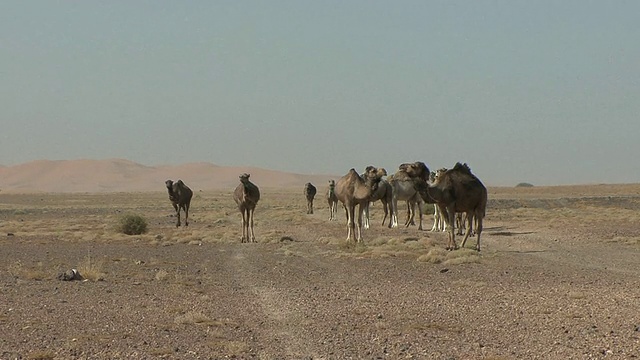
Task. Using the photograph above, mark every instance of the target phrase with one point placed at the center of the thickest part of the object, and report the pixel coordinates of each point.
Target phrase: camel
(309, 193)
(404, 183)
(438, 219)
(353, 190)
(180, 196)
(247, 195)
(384, 193)
(458, 190)
(332, 199)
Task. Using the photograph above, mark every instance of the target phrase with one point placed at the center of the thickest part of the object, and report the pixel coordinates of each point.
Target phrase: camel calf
(332, 199)
(180, 196)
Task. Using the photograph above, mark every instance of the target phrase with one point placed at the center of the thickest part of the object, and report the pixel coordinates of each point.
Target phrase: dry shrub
(132, 224)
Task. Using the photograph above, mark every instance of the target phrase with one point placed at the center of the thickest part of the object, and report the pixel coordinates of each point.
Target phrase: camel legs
(470, 219)
(411, 209)
(186, 215)
(309, 206)
(438, 220)
(361, 209)
(250, 229)
(449, 215)
(177, 210)
(350, 210)
(245, 223)
(366, 216)
(411, 213)
(385, 207)
(394, 213)
(333, 209)
(461, 219)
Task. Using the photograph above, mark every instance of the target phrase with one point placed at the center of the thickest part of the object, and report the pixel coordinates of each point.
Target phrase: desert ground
(557, 278)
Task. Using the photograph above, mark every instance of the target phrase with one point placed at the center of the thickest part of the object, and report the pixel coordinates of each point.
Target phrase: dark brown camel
(353, 190)
(332, 199)
(458, 190)
(180, 196)
(309, 193)
(247, 195)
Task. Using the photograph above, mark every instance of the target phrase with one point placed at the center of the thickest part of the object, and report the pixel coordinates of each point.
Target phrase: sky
(545, 92)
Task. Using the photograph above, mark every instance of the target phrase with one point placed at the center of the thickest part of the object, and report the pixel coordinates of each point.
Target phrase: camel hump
(462, 167)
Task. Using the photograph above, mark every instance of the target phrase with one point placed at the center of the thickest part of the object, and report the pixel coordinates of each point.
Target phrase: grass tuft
(92, 269)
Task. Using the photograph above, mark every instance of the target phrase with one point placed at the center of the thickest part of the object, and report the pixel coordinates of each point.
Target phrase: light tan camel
(332, 199)
(458, 190)
(404, 183)
(353, 190)
(438, 219)
(384, 193)
(180, 196)
(309, 193)
(247, 195)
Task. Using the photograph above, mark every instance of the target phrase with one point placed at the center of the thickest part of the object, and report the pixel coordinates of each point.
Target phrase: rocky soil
(557, 279)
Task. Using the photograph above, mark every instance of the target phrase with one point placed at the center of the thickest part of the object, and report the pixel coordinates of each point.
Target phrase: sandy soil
(557, 279)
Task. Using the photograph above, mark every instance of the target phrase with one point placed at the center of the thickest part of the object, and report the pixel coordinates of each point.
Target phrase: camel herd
(458, 196)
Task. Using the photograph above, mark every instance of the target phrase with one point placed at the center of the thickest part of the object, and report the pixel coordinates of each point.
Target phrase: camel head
(169, 184)
(372, 172)
(436, 175)
(416, 169)
(373, 175)
(244, 178)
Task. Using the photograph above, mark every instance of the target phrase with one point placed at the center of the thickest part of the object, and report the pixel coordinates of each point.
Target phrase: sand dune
(119, 175)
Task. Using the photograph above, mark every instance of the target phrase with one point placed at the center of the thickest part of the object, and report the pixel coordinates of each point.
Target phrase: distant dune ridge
(119, 175)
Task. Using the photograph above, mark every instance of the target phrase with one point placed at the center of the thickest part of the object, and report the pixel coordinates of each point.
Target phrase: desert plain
(557, 278)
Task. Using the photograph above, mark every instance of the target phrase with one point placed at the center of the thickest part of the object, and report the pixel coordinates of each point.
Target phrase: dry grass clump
(161, 275)
(42, 355)
(439, 255)
(631, 240)
(196, 317)
(92, 269)
(21, 271)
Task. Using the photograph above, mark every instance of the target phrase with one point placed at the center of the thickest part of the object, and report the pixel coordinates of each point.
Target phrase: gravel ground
(554, 281)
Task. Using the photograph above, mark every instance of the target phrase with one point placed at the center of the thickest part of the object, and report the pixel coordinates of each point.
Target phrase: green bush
(132, 224)
(524, 184)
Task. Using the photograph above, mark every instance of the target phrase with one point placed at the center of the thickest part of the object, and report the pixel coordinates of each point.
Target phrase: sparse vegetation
(187, 293)
(132, 224)
(92, 269)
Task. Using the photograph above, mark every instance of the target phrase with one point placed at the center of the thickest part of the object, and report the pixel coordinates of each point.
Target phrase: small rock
(10, 234)
(444, 270)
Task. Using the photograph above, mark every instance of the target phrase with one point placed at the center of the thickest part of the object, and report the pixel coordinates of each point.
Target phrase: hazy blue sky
(546, 92)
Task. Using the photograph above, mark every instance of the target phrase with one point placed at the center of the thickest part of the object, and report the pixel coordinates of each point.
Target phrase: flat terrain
(557, 278)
